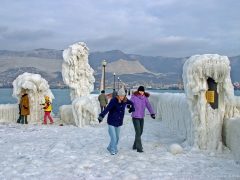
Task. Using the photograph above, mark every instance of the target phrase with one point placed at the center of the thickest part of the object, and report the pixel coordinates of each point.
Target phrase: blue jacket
(116, 111)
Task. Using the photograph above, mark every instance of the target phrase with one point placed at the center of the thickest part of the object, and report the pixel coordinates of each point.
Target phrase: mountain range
(131, 68)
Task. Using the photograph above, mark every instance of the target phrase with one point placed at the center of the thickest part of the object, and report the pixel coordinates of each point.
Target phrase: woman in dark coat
(116, 109)
(25, 109)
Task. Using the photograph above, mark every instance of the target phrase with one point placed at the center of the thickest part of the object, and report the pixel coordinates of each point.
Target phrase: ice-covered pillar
(207, 121)
(78, 75)
(36, 87)
(76, 71)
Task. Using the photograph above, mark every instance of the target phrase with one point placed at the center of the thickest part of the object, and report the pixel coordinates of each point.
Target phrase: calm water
(62, 96)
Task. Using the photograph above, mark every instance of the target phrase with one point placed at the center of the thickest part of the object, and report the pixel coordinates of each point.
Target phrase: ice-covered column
(76, 71)
(78, 75)
(36, 88)
(207, 121)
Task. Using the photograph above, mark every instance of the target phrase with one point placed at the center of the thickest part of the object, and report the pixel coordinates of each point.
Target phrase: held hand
(153, 116)
(131, 110)
(128, 106)
(100, 118)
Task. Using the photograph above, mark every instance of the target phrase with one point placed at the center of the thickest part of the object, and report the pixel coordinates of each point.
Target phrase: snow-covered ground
(69, 152)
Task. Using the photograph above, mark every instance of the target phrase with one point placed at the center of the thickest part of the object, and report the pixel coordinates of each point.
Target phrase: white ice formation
(207, 122)
(76, 71)
(85, 110)
(190, 115)
(36, 87)
(9, 112)
(66, 114)
(78, 75)
(172, 109)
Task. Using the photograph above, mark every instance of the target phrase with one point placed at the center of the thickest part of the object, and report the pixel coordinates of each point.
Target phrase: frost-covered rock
(85, 110)
(66, 114)
(207, 122)
(175, 149)
(76, 71)
(36, 87)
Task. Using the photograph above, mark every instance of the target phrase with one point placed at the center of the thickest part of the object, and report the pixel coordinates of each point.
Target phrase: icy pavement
(68, 152)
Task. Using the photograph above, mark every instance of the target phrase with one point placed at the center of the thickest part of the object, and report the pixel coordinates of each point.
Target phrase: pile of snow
(175, 149)
(65, 152)
(78, 75)
(207, 122)
(76, 71)
(36, 87)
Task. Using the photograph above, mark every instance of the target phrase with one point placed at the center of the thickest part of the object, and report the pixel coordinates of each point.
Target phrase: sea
(62, 96)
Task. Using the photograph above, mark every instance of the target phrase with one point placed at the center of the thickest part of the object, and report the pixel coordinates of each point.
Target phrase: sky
(173, 28)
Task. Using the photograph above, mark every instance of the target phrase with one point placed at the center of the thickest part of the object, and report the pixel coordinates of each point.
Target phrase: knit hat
(121, 92)
(141, 88)
(46, 97)
(102, 91)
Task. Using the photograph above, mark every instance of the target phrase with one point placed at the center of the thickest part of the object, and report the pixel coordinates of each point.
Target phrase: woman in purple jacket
(140, 101)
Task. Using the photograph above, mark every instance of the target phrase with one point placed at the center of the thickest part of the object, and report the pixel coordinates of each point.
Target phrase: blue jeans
(114, 136)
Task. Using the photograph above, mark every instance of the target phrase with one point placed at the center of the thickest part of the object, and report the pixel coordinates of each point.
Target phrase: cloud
(166, 27)
(27, 35)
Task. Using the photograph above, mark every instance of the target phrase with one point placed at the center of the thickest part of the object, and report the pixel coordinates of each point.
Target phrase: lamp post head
(114, 74)
(104, 63)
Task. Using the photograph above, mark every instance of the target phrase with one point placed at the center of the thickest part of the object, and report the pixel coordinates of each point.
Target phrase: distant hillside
(131, 68)
(126, 67)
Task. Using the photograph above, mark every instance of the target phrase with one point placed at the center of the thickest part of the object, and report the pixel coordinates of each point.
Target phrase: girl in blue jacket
(116, 109)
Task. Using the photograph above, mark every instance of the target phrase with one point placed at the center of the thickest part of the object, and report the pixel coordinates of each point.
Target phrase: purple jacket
(140, 103)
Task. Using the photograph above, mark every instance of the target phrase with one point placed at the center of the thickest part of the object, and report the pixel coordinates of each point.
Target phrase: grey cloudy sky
(148, 27)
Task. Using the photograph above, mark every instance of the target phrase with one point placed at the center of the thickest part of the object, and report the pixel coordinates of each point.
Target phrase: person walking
(102, 100)
(140, 101)
(116, 111)
(24, 107)
(47, 110)
(114, 93)
(19, 118)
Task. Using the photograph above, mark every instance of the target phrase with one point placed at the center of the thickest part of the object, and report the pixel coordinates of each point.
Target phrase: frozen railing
(172, 109)
(9, 112)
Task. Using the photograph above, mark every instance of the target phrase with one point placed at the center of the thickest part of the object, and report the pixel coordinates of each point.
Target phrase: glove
(100, 118)
(131, 110)
(128, 106)
(153, 116)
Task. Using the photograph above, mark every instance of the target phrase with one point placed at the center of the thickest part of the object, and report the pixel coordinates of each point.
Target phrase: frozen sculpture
(76, 71)
(207, 121)
(203, 118)
(37, 88)
(78, 75)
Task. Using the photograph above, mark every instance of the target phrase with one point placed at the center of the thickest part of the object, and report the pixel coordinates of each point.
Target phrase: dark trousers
(19, 118)
(23, 119)
(138, 126)
(102, 108)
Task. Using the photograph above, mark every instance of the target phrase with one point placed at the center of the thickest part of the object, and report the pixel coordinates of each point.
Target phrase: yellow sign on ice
(210, 96)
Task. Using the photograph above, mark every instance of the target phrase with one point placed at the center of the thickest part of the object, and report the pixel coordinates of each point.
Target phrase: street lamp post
(104, 64)
(114, 75)
(118, 83)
